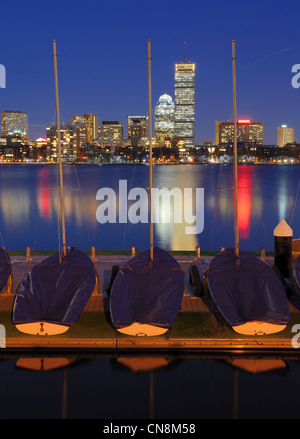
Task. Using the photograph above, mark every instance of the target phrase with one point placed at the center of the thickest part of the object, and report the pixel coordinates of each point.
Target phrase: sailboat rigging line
(125, 225)
(237, 249)
(150, 149)
(58, 215)
(59, 151)
(36, 221)
(2, 239)
(81, 194)
(295, 202)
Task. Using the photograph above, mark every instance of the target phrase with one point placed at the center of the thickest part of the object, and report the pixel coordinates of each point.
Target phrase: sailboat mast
(150, 148)
(237, 245)
(59, 152)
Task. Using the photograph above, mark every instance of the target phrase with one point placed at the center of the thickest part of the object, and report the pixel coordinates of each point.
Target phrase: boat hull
(53, 294)
(42, 328)
(140, 329)
(146, 296)
(258, 328)
(247, 293)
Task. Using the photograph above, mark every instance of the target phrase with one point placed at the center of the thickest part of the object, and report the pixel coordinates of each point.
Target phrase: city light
(244, 121)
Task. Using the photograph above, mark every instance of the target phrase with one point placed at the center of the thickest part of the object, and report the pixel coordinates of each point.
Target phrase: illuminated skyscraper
(185, 102)
(164, 119)
(285, 135)
(110, 130)
(87, 126)
(247, 131)
(15, 123)
(137, 128)
(68, 137)
(91, 122)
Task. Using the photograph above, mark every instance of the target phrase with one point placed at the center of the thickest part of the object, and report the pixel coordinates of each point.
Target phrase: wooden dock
(98, 302)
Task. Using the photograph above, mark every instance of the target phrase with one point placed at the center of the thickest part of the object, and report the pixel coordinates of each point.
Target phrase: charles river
(191, 388)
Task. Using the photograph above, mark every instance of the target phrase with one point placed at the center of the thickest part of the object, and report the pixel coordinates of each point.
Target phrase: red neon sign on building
(244, 121)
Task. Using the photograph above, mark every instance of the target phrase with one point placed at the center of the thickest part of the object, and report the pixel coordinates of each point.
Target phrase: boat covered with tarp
(53, 294)
(296, 275)
(5, 268)
(248, 293)
(146, 295)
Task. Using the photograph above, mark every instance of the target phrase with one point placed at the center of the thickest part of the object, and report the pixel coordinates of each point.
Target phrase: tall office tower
(185, 102)
(91, 122)
(137, 127)
(247, 132)
(285, 135)
(78, 122)
(68, 138)
(77, 119)
(88, 126)
(15, 123)
(110, 130)
(164, 119)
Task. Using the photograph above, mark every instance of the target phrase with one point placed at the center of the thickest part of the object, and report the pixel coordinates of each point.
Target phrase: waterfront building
(13, 149)
(164, 119)
(285, 135)
(77, 119)
(15, 123)
(137, 128)
(38, 150)
(87, 126)
(110, 130)
(185, 102)
(247, 132)
(68, 136)
(91, 122)
(81, 130)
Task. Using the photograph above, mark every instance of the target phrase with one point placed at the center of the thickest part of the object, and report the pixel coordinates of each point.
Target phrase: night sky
(102, 59)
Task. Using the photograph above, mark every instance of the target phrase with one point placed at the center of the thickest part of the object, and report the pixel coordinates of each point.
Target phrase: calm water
(29, 208)
(189, 389)
(108, 388)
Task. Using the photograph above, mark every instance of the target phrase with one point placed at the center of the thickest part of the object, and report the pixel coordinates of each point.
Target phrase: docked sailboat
(53, 294)
(245, 290)
(5, 270)
(146, 293)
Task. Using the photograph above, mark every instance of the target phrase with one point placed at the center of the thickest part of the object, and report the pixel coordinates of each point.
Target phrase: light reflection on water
(177, 388)
(29, 206)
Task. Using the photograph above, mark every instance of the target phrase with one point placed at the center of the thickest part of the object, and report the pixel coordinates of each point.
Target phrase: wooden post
(9, 285)
(96, 287)
(132, 252)
(263, 254)
(93, 251)
(28, 254)
(198, 252)
(283, 236)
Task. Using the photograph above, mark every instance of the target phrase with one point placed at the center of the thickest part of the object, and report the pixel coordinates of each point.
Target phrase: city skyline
(103, 68)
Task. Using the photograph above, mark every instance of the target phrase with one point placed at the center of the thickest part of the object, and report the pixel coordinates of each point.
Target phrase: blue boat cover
(296, 273)
(147, 294)
(54, 291)
(246, 289)
(5, 267)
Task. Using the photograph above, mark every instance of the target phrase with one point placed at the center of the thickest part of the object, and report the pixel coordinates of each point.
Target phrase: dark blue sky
(102, 58)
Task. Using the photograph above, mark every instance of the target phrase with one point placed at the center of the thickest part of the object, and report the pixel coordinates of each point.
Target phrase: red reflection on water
(44, 195)
(44, 202)
(245, 178)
